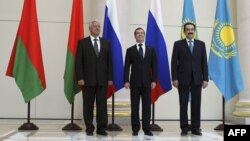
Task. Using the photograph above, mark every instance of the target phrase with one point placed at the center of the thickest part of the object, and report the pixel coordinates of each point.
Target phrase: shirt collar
(92, 38)
(189, 40)
(137, 44)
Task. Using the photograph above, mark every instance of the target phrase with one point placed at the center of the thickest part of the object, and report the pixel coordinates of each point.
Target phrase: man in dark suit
(142, 61)
(189, 74)
(94, 73)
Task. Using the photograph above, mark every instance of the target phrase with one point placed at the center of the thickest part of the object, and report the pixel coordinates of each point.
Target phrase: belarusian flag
(75, 33)
(26, 64)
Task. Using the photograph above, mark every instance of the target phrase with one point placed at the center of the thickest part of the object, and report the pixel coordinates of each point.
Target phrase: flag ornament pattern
(223, 65)
(155, 39)
(111, 33)
(223, 42)
(26, 64)
(76, 31)
(188, 16)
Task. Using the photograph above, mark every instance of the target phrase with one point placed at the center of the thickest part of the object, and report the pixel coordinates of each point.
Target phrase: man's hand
(110, 83)
(176, 83)
(127, 85)
(204, 84)
(153, 85)
(81, 82)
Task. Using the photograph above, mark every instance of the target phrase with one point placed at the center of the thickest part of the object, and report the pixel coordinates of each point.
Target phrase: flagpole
(28, 125)
(153, 126)
(72, 126)
(221, 126)
(113, 126)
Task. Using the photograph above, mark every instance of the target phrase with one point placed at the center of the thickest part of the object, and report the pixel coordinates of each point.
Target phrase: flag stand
(221, 126)
(113, 126)
(28, 125)
(72, 126)
(153, 126)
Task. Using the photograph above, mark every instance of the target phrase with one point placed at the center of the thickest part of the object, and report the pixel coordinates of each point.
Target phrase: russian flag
(155, 39)
(112, 34)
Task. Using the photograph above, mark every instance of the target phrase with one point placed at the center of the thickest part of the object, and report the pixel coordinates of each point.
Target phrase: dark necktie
(190, 45)
(140, 51)
(96, 47)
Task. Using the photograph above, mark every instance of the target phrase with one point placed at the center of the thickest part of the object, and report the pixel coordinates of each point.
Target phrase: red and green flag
(26, 64)
(71, 87)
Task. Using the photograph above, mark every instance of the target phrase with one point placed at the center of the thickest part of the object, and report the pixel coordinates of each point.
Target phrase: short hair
(139, 28)
(189, 23)
(92, 22)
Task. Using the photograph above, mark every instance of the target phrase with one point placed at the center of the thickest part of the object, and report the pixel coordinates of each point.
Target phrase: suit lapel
(146, 52)
(136, 51)
(184, 42)
(101, 46)
(90, 45)
(195, 46)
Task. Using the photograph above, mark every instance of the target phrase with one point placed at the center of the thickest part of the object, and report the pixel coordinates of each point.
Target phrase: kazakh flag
(224, 67)
(188, 16)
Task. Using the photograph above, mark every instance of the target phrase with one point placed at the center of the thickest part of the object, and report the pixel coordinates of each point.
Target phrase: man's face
(139, 36)
(95, 29)
(189, 31)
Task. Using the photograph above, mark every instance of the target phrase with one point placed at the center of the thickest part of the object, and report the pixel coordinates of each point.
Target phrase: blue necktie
(140, 51)
(190, 45)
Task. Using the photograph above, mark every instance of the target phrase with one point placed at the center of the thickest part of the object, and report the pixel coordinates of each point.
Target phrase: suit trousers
(135, 94)
(90, 94)
(184, 91)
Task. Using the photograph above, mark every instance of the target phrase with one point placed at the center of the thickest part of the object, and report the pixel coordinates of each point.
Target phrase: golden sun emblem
(227, 36)
(223, 44)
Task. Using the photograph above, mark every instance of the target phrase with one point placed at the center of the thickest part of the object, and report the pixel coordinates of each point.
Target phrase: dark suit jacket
(143, 72)
(90, 68)
(184, 64)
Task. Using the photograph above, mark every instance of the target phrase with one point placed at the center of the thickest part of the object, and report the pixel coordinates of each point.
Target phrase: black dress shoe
(103, 133)
(89, 133)
(148, 133)
(184, 132)
(135, 134)
(196, 132)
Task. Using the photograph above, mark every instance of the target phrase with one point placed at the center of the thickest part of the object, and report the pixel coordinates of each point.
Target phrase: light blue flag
(188, 16)
(223, 65)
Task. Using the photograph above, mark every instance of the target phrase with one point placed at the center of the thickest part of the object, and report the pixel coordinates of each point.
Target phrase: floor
(51, 130)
